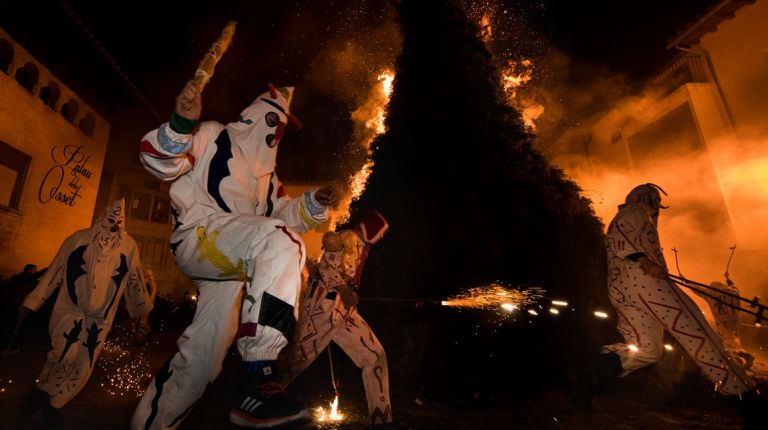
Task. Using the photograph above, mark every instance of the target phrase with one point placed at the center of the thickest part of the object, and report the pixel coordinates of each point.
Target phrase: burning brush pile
(468, 200)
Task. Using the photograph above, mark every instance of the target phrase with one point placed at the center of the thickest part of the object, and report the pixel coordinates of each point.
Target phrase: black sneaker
(267, 406)
(32, 402)
(52, 416)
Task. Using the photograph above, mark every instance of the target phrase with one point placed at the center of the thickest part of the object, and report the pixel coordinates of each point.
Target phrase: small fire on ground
(331, 415)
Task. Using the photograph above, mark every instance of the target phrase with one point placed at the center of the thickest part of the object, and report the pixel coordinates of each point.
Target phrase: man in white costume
(647, 303)
(92, 269)
(329, 313)
(727, 320)
(234, 229)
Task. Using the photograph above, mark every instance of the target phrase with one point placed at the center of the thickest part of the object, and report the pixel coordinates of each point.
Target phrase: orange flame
(486, 30)
(332, 414)
(370, 118)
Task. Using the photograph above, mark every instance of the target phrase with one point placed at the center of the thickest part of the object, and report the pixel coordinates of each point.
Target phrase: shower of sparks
(494, 297)
(330, 415)
(126, 371)
(601, 314)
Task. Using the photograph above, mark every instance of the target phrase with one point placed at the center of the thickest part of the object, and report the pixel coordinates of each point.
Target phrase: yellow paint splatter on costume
(206, 245)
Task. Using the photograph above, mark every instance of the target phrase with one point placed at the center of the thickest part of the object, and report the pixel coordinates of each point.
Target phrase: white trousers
(324, 320)
(646, 306)
(222, 255)
(76, 342)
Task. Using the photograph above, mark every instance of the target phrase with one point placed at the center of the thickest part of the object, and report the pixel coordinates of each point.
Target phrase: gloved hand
(189, 103)
(652, 269)
(349, 297)
(327, 196)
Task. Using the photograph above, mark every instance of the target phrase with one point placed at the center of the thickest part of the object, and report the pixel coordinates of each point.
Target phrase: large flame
(515, 74)
(369, 119)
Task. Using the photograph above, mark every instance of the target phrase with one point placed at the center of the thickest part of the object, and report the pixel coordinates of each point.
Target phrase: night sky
(330, 50)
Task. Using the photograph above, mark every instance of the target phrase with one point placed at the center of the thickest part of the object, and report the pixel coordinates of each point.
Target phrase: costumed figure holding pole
(234, 229)
(329, 314)
(647, 303)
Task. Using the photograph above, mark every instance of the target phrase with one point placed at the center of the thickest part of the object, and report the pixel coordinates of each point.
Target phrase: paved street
(670, 395)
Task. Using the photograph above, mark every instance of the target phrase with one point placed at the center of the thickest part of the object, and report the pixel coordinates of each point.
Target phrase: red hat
(372, 226)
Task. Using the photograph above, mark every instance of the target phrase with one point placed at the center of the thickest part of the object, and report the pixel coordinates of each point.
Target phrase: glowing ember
(494, 296)
(668, 347)
(331, 415)
(486, 30)
(559, 303)
(509, 307)
(633, 348)
(532, 312)
(601, 314)
(554, 311)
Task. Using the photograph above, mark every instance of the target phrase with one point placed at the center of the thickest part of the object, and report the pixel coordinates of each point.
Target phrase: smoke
(348, 66)
(609, 134)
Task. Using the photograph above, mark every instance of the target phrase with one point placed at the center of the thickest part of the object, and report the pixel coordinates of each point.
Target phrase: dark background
(330, 50)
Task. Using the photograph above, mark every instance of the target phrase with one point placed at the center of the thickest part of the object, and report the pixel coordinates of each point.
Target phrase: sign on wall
(65, 179)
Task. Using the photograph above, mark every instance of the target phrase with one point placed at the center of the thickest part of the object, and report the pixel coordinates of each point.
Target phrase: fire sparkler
(494, 297)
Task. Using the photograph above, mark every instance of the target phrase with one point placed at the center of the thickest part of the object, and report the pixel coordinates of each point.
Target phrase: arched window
(69, 110)
(27, 77)
(13, 172)
(50, 94)
(6, 55)
(87, 124)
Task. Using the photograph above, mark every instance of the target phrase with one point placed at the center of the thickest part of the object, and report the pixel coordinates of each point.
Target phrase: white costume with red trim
(647, 305)
(325, 319)
(233, 227)
(92, 269)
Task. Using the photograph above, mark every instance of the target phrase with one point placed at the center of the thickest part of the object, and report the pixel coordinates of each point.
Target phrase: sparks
(554, 311)
(668, 347)
(601, 314)
(126, 370)
(559, 303)
(493, 297)
(633, 348)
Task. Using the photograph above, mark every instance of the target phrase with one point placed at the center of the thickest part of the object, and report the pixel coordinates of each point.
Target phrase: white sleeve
(167, 154)
(301, 214)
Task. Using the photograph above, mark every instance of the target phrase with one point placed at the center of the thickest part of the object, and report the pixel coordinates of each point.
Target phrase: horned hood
(260, 127)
